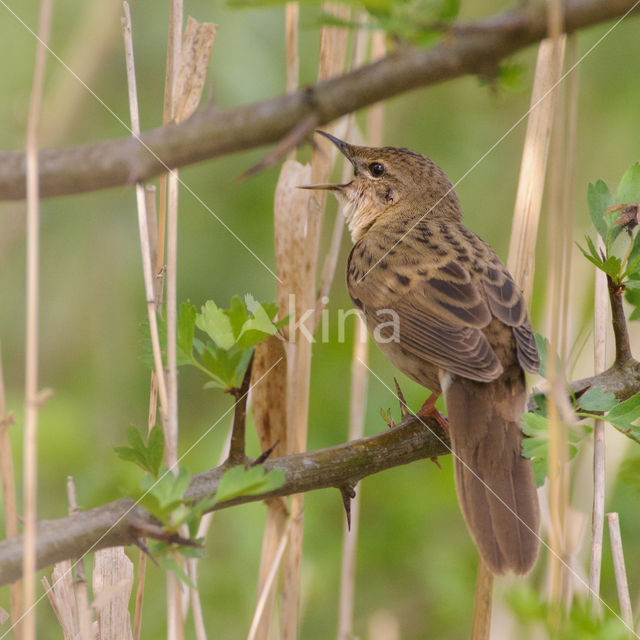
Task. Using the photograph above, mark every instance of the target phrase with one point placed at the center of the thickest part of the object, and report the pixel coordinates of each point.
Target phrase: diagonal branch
(468, 49)
(123, 523)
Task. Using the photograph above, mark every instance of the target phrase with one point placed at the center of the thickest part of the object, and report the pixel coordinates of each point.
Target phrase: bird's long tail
(495, 484)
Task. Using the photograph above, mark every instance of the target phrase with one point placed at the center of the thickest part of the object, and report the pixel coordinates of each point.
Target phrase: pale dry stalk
(270, 399)
(333, 43)
(148, 271)
(32, 399)
(80, 586)
(559, 236)
(112, 583)
(524, 232)
(526, 215)
(359, 379)
(601, 306)
(619, 569)
(7, 478)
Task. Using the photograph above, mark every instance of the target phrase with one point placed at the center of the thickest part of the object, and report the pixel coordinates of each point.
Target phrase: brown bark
(467, 49)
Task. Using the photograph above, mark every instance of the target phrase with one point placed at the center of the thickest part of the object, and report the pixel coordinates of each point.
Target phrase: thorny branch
(474, 48)
(123, 523)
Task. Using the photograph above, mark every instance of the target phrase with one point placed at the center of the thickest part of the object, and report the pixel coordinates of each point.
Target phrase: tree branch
(123, 523)
(468, 49)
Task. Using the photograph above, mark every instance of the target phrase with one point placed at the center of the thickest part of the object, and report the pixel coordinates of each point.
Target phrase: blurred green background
(416, 563)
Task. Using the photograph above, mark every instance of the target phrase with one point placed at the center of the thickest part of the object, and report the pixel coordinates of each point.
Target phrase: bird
(460, 328)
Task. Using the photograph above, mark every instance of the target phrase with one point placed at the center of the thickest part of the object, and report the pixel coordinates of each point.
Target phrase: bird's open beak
(344, 148)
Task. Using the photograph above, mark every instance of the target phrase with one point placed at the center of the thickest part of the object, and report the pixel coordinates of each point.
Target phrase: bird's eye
(376, 169)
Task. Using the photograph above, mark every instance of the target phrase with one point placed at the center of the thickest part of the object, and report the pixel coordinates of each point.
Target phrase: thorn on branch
(265, 454)
(143, 547)
(348, 494)
(404, 410)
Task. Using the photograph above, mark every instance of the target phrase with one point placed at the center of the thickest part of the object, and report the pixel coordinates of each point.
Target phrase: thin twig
(32, 402)
(619, 569)
(237, 452)
(619, 321)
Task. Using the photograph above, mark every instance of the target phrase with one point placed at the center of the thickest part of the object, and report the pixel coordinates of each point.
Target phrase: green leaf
(169, 563)
(633, 261)
(226, 367)
(535, 446)
(599, 199)
(186, 330)
(155, 450)
(238, 315)
(256, 328)
(147, 456)
(240, 482)
(629, 187)
(543, 350)
(216, 324)
(596, 399)
(625, 415)
(612, 266)
(166, 492)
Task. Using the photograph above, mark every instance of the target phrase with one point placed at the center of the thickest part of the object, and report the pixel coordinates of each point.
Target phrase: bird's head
(390, 182)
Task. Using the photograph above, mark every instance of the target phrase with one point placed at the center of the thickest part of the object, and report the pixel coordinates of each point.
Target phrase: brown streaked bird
(462, 330)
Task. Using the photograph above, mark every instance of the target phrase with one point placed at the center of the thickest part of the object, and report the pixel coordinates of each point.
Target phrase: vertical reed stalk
(32, 401)
(359, 368)
(332, 51)
(7, 478)
(620, 572)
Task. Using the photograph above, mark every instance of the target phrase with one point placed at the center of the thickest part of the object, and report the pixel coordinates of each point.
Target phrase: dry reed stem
(619, 569)
(526, 213)
(269, 405)
(359, 373)
(142, 221)
(333, 43)
(174, 614)
(269, 583)
(62, 600)
(32, 400)
(481, 629)
(292, 252)
(270, 399)
(139, 601)
(147, 265)
(526, 216)
(559, 231)
(7, 479)
(601, 306)
(112, 583)
(357, 411)
(291, 18)
(80, 586)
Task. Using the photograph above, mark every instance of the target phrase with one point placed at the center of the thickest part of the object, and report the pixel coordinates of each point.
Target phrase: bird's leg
(428, 410)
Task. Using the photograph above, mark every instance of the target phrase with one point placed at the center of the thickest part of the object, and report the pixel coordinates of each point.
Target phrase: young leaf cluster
(581, 621)
(420, 22)
(223, 349)
(594, 403)
(611, 216)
